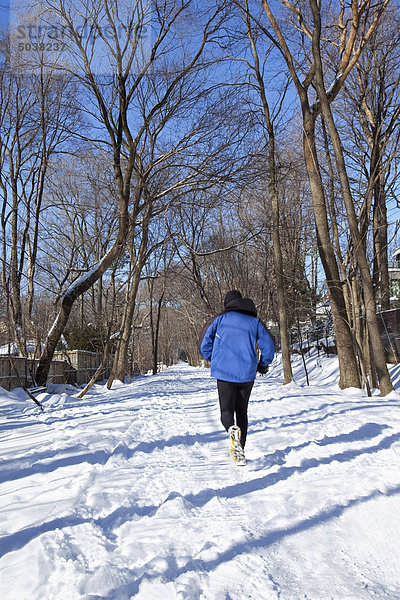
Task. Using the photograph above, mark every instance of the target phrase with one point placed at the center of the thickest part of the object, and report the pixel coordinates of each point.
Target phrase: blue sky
(4, 12)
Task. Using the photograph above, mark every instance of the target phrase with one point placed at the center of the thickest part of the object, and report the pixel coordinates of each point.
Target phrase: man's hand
(263, 369)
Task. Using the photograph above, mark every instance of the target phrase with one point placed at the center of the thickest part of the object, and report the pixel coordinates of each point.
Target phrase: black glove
(263, 369)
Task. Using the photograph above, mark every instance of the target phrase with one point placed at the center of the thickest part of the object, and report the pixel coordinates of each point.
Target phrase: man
(229, 342)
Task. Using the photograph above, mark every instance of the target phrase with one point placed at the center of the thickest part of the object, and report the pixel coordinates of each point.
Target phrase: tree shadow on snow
(172, 573)
(78, 454)
(277, 535)
(292, 420)
(239, 489)
(19, 539)
(365, 432)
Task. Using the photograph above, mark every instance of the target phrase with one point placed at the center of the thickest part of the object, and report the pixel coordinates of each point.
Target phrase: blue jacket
(229, 343)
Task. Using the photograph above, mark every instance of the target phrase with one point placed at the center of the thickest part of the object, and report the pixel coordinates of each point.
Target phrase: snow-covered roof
(12, 348)
(31, 347)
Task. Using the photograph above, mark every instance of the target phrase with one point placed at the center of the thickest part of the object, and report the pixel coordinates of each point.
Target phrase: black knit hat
(231, 295)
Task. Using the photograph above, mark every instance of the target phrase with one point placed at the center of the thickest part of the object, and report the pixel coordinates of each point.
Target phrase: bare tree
(80, 220)
(371, 110)
(36, 121)
(115, 97)
(358, 246)
(352, 32)
(257, 70)
(157, 286)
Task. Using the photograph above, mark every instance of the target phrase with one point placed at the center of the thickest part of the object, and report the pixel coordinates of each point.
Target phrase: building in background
(394, 277)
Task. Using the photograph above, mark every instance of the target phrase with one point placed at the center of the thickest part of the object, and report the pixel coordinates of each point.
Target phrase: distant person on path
(229, 342)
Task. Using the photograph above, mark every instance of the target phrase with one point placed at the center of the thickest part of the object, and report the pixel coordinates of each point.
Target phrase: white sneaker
(236, 451)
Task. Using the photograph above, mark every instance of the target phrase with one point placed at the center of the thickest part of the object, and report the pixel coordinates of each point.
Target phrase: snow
(12, 348)
(130, 492)
(82, 279)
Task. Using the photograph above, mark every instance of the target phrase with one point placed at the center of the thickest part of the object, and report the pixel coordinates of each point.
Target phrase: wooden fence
(75, 367)
(81, 365)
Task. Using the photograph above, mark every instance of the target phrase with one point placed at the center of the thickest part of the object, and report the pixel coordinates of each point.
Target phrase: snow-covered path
(130, 493)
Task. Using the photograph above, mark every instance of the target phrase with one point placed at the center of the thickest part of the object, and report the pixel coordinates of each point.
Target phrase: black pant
(233, 401)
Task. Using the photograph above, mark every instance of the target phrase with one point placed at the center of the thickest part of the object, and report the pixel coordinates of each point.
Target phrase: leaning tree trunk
(349, 374)
(76, 290)
(359, 252)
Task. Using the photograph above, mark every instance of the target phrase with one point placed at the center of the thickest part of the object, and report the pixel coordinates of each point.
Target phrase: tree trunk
(280, 291)
(273, 192)
(16, 270)
(349, 373)
(120, 360)
(380, 229)
(359, 252)
(98, 370)
(75, 291)
(156, 334)
(119, 367)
